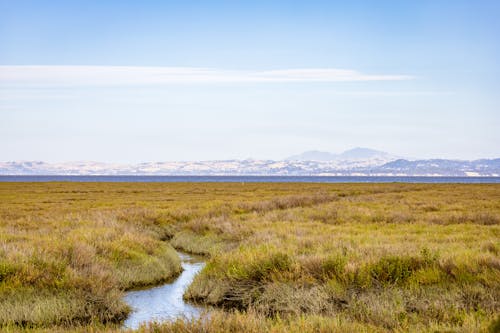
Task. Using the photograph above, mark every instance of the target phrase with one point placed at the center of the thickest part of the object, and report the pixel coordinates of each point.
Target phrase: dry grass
(303, 257)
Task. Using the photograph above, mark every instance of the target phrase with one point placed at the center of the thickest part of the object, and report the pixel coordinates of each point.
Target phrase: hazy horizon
(130, 82)
(283, 158)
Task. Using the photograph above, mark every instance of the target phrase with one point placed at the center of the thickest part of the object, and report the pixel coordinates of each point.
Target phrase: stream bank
(165, 302)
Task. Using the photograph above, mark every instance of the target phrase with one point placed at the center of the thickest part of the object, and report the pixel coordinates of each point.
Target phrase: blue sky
(130, 81)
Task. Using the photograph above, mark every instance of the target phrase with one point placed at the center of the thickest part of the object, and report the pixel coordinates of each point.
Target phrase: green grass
(303, 257)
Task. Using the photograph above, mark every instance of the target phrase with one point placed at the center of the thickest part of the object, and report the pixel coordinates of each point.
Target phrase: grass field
(280, 257)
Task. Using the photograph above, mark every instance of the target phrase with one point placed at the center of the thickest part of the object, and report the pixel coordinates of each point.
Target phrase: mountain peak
(357, 153)
(312, 155)
(363, 153)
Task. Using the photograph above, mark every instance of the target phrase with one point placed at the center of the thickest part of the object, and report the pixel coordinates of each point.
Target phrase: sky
(136, 81)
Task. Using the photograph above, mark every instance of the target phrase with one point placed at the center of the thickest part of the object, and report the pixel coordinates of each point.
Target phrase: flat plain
(281, 257)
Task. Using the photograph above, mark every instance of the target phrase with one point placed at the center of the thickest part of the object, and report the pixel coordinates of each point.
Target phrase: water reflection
(164, 302)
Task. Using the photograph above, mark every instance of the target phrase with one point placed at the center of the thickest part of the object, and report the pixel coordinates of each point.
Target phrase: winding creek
(165, 302)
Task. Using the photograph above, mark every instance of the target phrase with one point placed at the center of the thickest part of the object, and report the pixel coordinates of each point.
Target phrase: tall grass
(288, 257)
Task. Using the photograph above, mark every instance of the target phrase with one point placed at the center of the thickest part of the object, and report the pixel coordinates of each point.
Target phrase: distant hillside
(313, 155)
(338, 167)
(364, 153)
(443, 167)
(352, 154)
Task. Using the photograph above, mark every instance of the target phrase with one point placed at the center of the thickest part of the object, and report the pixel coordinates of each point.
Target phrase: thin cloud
(127, 75)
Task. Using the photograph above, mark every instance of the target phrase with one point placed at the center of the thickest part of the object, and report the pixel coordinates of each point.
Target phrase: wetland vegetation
(281, 257)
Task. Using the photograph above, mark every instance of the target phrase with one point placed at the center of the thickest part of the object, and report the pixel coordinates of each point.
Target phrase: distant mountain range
(438, 167)
(354, 162)
(358, 153)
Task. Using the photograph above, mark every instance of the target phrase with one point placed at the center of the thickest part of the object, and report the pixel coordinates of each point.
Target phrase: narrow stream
(164, 302)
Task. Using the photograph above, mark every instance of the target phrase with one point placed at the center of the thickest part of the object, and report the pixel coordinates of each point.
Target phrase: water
(251, 179)
(164, 302)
